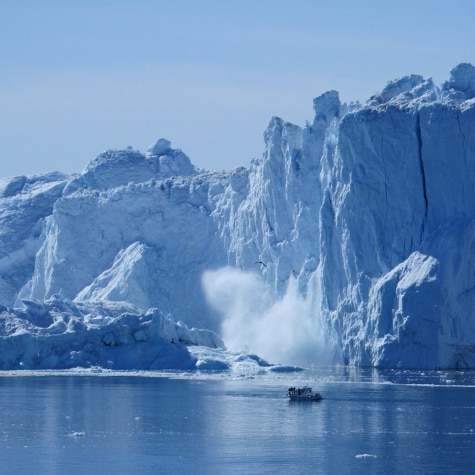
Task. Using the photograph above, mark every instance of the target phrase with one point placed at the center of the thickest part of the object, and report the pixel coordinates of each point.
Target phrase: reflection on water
(393, 422)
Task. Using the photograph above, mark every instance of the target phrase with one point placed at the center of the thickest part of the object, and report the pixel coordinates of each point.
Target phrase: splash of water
(284, 330)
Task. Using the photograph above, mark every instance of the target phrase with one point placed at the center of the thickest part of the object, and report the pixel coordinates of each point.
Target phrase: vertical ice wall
(397, 227)
(276, 225)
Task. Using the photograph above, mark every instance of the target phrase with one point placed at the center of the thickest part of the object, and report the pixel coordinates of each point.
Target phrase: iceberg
(350, 241)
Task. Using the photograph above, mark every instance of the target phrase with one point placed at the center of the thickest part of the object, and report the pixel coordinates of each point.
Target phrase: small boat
(303, 394)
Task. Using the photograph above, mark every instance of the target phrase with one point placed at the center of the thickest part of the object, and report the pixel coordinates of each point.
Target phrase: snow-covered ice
(349, 240)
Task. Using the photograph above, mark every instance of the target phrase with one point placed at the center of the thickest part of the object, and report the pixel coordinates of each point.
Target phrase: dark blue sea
(123, 423)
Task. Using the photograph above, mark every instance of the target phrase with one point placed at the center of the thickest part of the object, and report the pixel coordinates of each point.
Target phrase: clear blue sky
(81, 76)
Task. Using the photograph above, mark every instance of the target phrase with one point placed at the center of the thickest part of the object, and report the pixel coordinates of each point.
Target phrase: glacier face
(367, 213)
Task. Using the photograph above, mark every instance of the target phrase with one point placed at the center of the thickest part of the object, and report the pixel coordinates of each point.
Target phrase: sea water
(122, 423)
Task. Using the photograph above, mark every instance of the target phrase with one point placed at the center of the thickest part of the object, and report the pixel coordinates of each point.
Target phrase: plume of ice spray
(284, 330)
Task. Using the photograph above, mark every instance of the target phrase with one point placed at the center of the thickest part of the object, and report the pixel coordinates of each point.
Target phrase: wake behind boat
(303, 394)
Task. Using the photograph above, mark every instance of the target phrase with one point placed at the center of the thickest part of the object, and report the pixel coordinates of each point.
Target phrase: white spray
(285, 330)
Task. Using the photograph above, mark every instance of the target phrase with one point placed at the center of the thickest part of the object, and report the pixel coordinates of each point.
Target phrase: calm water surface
(368, 422)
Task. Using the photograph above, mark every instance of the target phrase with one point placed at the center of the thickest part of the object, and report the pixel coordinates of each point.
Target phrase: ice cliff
(366, 214)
